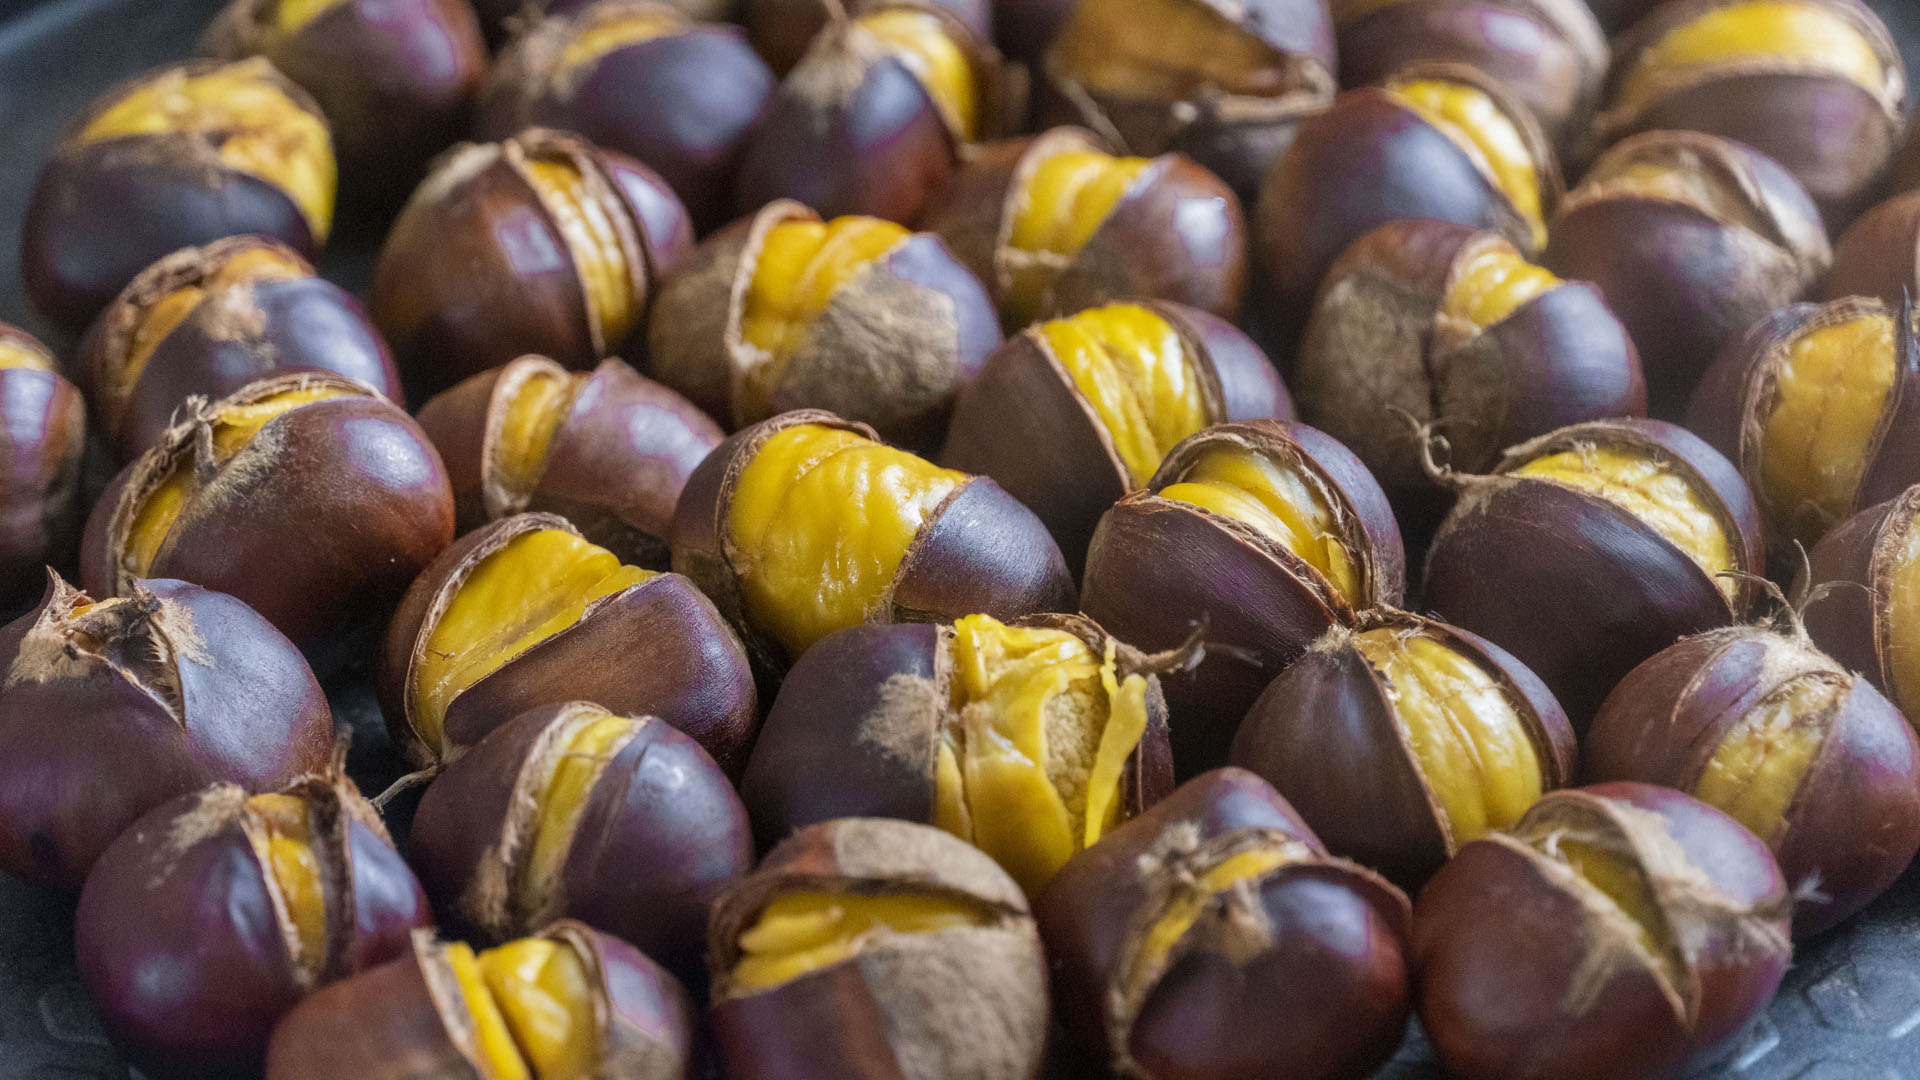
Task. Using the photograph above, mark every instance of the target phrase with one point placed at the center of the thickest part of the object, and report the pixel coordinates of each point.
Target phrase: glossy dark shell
(781, 30)
(1879, 254)
(1853, 566)
(43, 439)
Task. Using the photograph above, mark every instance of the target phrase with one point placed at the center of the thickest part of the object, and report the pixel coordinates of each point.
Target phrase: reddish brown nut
(214, 914)
(609, 450)
(306, 495)
(209, 320)
(111, 708)
(857, 316)
(1180, 937)
(1879, 254)
(499, 16)
(566, 1002)
(572, 810)
(1863, 585)
(1258, 537)
(539, 244)
(1591, 548)
(1692, 239)
(1053, 224)
(781, 30)
(1619, 932)
(173, 158)
(1030, 740)
(43, 441)
(1617, 15)
(1074, 413)
(863, 946)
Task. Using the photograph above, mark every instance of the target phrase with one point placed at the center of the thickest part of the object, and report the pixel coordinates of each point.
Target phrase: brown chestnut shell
(1879, 254)
(781, 30)
(43, 442)
(1849, 582)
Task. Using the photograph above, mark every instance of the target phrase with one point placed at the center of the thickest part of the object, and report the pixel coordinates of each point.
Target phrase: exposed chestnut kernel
(1180, 937)
(856, 315)
(1589, 549)
(44, 445)
(573, 810)
(1030, 740)
(1618, 932)
(177, 157)
(1879, 254)
(781, 30)
(565, 1004)
(866, 944)
(112, 707)
(1863, 588)
(1258, 537)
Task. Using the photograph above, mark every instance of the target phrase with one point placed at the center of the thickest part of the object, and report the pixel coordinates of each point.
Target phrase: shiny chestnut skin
(660, 836)
(468, 280)
(1320, 940)
(43, 437)
(1879, 254)
(1524, 974)
(498, 16)
(238, 331)
(1852, 584)
(614, 468)
(109, 712)
(1689, 268)
(781, 30)
(184, 937)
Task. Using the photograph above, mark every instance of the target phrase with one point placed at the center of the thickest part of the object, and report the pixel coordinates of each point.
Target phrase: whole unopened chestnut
(43, 437)
(1072, 414)
(781, 30)
(1862, 585)
(1589, 549)
(856, 315)
(568, 1002)
(1618, 932)
(112, 707)
(609, 450)
(863, 945)
(1258, 538)
(1180, 936)
(173, 158)
(619, 821)
(539, 244)
(214, 914)
(209, 320)
(1879, 254)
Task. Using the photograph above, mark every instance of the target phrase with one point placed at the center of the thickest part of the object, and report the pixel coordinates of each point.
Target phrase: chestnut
(639, 78)
(619, 821)
(1879, 254)
(872, 947)
(856, 315)
(1072, 414)
(1691, 239)
(1616, 15)
(497, 16)
(566, 1002)
(215, 913)
(43, 440)
(1029, 740)
(804, 524)
(173, 158)
(609, 450)
(1589, 549)
(305, 494)
(527, 612)
(1258, 538)
(781, 30)
(1618, 932)
(1818, 85)
(1180, 937)
(208, 320)
(1053, 224)
(1862, 584)
(111, 707)
(539, 244)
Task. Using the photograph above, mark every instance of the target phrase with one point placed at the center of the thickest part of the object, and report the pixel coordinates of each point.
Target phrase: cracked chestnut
(43, 441)
(497, 16)
(1863, 584)
(781, 30)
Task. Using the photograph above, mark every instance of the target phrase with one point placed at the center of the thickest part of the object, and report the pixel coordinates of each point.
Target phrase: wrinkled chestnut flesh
(1807, 36)
(602, 241)
(531, 1007)
(922, 42)
(802, 932)
(1137, 373)
(1497, 145)
(1829, 392)
(1060, 204)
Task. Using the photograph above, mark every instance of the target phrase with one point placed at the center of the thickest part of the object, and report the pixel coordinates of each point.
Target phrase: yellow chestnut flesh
(820, 521)
(593, 239)
(1205, 892)
(1614, 882)
(19, 354)
(1829, 393)
(536, 410)
(1063, 202)
(591, 743)
(161, 318)
(1665, 182)
(1756, 770)
(1492, 285)
(1903, 622)
(921, 42)
(605, 35)
(531, 1009)
(290, 859)
(1476, 124)
(253, 126)
(1166, 50)
(1282, 501)
(1792, 33)
(1133, 368)
(291, 15)
(798, 933)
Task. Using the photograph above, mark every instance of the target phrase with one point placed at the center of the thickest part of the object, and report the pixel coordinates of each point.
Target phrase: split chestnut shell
(1863, 606)
(43, 440)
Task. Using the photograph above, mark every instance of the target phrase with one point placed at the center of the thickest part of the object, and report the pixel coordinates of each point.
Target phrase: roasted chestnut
(214, 914)
(856, 315)
(1618, 932)
(1053, 224)
(1257, 538)
(496, 16)
(803, 524)
(526, 612)
(1029, 740)
(862, 946)
(1862, 585)
(609, 450)
(1589, 549)
(173, 158)
(1692, 239)
(781, 30)
(539, 244)
(619, 821)
(307, 495)
(1180, 937)
(566, 1002)
(1072, 414)
(112, 707)
(209, 320)
(1879, 254)
(43, 440)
